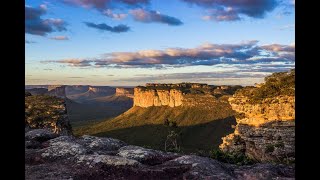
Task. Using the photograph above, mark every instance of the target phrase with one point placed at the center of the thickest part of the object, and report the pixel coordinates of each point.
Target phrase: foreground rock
(89, 157)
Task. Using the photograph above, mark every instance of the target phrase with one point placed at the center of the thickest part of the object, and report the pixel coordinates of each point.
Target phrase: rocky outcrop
(43, 111)
(128, 92)
(181, 94)
(265, 131)
(67, 157)
(157, 97)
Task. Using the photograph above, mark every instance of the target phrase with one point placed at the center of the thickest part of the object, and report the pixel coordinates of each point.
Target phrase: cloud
(75, 77)
(112, 15)
(104, 27)
(229, 74)
(231, 10)
(221, 14)
(146, 16)
(29, 42)
(60, 38)
(279, 48)
(104, 4)
(207, 54)
(288, 26)
(35, 25)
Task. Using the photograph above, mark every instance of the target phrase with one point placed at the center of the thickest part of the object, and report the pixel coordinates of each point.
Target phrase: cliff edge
(265, 129)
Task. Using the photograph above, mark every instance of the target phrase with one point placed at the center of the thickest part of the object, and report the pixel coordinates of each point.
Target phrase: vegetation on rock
(44, 111)
(232, 158)
(280, 83)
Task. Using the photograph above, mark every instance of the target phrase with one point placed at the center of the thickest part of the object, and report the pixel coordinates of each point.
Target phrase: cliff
(43, 111)
(265, 129)
(181, 94)
(157, 97)
(128, 92)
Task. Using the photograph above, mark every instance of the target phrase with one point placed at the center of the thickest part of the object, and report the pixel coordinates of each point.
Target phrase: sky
(133, 42)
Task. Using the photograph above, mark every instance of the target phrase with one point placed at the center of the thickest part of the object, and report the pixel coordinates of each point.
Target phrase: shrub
(281, 83)
(233, 158)
(269, 148)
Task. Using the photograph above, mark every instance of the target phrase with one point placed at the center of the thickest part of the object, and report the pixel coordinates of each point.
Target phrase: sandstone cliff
(128, 92)
(157, 97)
(265, 129)
(181, 94)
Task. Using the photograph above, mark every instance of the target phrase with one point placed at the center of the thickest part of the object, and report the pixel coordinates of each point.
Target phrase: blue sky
(208, 41)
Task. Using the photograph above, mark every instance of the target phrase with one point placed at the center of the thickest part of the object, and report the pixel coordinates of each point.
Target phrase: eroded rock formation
(265, 129)
(157, 97)
(181, 94)
(128, 92)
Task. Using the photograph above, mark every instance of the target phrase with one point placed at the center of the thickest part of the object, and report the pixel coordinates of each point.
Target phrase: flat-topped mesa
(179, 85)
(97, 89)
(173, 95)
(57, 90)
(157, 97)
(128, 92)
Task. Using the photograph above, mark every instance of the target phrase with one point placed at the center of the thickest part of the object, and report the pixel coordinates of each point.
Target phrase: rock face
(181, 94)
(43, 111)
(128, 92)
(154, 97)
(264, 131)
(89, 157)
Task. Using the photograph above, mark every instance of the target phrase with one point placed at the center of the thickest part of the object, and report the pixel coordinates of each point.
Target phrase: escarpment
(57, 90)
(128, 92)
(154, 97)
(265, 129)
(181, 94)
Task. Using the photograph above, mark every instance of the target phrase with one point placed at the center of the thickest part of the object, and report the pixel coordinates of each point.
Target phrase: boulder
(100, 144)
(62, 147)
(203, 168)
(40, 135)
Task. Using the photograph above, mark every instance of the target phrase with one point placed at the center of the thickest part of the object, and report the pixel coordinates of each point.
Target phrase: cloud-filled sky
(132, 42)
